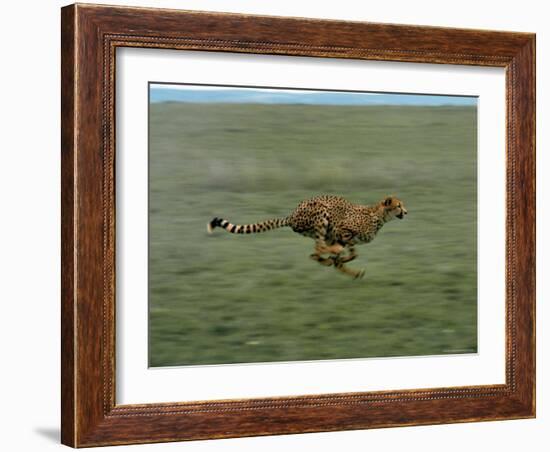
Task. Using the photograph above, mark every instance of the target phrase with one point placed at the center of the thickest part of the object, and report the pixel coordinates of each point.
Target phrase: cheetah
(335, 224)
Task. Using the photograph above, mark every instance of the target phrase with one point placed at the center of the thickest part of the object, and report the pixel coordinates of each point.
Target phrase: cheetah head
(393, 207)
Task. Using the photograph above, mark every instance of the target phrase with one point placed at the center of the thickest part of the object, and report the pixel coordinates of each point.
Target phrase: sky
(246, 95)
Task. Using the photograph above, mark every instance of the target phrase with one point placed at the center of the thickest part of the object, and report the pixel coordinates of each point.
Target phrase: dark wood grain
(90, 36)
(68, 310)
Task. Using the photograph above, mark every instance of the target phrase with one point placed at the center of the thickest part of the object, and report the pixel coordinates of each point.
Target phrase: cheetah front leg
(357, 274)
(340, 260)
(352, 254)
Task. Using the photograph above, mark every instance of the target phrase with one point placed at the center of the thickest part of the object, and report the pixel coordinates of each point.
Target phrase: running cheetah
(334, 223)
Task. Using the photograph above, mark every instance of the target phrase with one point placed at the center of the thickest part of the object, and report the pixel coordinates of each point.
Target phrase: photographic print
(276, 225)
(296, 225)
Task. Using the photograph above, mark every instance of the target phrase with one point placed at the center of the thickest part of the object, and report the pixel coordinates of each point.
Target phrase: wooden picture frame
(90, 36)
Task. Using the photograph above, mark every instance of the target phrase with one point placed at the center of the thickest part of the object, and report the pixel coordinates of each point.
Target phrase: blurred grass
(256, 298)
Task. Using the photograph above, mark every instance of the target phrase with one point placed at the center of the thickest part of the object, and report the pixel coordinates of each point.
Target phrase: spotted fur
(334, 223)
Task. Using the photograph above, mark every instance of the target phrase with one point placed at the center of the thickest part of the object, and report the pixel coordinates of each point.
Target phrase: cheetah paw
(360, 274)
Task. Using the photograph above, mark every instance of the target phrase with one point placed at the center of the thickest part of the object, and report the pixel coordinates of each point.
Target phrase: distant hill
(162, 93)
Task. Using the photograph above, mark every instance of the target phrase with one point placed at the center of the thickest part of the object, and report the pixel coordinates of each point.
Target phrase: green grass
(226, 298)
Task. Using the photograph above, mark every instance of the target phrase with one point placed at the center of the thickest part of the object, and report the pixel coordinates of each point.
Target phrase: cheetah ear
(387, 201)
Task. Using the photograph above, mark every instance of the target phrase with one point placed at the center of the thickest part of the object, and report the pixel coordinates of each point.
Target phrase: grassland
(226, 298)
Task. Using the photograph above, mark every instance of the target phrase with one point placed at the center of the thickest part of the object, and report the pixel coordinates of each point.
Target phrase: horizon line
(164, 92)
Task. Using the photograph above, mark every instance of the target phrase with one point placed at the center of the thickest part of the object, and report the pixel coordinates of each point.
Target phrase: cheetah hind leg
(322, 248)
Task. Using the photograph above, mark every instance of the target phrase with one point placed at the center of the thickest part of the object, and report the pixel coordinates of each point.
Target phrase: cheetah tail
(246, 228)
